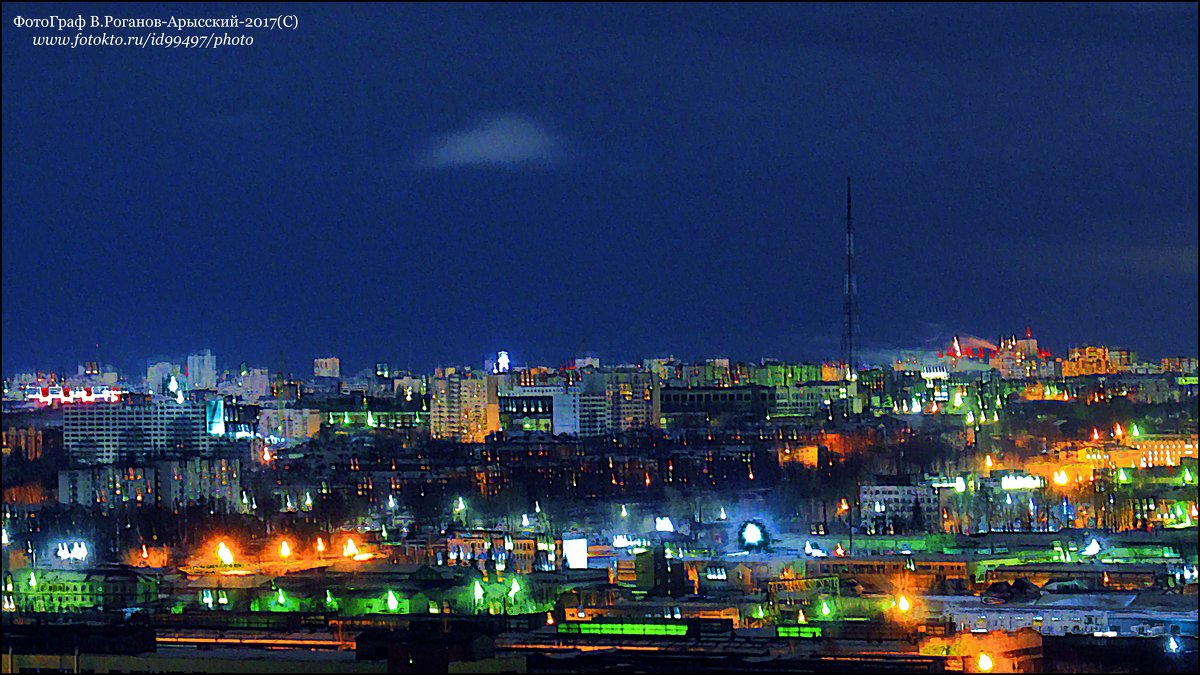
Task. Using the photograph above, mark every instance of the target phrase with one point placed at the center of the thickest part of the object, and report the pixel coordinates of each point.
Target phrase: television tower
(851, 303)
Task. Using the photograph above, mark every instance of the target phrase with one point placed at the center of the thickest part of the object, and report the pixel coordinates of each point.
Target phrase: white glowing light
(575, 551)
(752, 534)
(224, 554)
(524, 520)
(1092, 548)
(663, 524)
(1013, 482)
(78, 551)
(502, 362)
(722, 516)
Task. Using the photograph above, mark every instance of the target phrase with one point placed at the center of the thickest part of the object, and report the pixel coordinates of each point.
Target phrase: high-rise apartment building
(202, 370)
(249, 384)
(463, 405)
(107, 433)
(159, 374)
(329, 366)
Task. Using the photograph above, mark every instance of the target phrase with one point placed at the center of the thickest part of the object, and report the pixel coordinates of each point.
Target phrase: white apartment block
(103, 433)
(891, 506)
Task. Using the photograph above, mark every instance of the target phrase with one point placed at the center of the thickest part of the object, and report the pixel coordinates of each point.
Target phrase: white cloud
(502, 140)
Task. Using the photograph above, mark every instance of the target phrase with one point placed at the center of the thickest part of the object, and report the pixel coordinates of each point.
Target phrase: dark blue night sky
(426, 184)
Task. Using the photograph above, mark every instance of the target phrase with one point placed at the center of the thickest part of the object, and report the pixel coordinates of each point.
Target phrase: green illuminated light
(807, 632)
(664, 629)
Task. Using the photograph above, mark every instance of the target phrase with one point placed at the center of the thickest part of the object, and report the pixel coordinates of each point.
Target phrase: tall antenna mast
(851, 306)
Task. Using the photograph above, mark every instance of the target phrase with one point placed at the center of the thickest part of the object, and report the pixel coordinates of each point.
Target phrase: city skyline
(526, 188)
(870, 358)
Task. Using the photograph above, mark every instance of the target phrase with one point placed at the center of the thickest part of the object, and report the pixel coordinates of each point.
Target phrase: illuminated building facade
(479, 408)
(1088, 360)
(1179, 364)
(806, 399)
(546, 408)
(463, 405)
(69, 590)
(293, 425)
(26, 442)
(168, 484)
